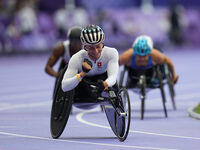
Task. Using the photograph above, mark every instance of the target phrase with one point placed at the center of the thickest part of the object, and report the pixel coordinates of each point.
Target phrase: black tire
(60, 112)
(170, 85)
(62, 68)
(142, 108)
(142, 95)
(122, 123)
(122, 77)
(110, 114)
(160, 78)
(171, 91)
(61, 108)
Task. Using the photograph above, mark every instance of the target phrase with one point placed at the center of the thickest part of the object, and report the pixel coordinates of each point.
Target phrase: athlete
(142, 56)
(64, 51)
(94, 62)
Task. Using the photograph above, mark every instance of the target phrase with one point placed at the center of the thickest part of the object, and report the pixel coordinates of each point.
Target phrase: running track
(25, 105)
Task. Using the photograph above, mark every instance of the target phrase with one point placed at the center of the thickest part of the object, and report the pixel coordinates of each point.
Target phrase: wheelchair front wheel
(122, 120)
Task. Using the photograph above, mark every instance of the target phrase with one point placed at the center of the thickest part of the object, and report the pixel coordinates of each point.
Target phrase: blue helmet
(143, 45)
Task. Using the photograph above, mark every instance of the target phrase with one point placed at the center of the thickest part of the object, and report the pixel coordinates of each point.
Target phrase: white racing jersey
(108, 61)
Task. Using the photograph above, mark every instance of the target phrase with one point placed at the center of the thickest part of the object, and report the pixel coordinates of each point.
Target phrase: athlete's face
(141, 60)
(94, 51)
(75, 46)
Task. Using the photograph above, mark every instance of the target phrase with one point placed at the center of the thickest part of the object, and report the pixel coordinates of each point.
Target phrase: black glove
(89, 63)
(100, 85)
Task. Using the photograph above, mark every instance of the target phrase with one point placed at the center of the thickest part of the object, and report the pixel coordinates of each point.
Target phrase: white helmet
(92, 34)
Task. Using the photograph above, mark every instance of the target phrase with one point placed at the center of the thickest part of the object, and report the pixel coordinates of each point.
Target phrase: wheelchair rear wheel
(60, 112)
(171, 91)
(159, 74)
(122, 120)
(142, 85)
(61, 108)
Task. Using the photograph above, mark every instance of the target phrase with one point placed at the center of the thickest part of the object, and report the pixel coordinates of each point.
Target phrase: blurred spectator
(12, 30)
(69, 16)
(7, 7)
(175, 31)
(147, 6)
(22, 25)
(60, 20)
(27, 18)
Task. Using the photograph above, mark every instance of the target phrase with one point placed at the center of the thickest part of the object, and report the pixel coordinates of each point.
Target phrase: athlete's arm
(160, 58)
(71, 77)
(54, 57)
(112, 69)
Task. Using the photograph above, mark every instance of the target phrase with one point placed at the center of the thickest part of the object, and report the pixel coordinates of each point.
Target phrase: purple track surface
(25, 106)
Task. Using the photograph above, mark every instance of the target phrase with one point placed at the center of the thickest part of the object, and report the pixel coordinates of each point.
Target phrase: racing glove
(84, 67)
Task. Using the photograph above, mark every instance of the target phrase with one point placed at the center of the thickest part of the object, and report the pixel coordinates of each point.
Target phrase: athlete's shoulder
(76, 60)
(157, 56)
(110, 53)
(156, 52)
(110, 48)
(80, 54)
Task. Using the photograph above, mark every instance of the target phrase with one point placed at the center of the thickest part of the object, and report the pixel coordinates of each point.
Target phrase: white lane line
(179, 97)
(16, 89)
(80, 142)
(4, 127)
(79, 117)
(27, 105)
(26, 95)
(45, 93)
(183, 87)
(71, 141)
(89, 123)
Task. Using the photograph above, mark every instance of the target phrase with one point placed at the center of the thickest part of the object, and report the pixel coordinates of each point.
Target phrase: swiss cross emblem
(99, 65)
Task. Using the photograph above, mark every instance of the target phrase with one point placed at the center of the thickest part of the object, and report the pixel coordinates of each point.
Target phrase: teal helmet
(142, 45)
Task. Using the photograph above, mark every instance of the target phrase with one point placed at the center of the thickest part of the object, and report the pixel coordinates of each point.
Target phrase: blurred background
(38, 25)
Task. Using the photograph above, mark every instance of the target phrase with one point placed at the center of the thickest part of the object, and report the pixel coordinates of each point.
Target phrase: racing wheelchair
(141, 81)
(115, 101)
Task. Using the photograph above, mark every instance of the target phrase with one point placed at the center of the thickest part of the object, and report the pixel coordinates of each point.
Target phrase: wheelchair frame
(118, 115)
(160, 69)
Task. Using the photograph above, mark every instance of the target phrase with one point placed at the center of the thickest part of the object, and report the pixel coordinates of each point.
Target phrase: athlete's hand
(175, 79)
(57, 75)
(103, 85)
(86, 65)
(100, 85)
